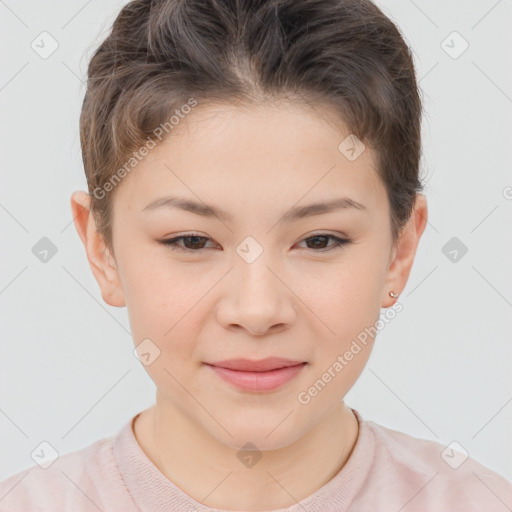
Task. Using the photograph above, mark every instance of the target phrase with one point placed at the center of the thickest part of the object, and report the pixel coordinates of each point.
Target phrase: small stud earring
(393, 295)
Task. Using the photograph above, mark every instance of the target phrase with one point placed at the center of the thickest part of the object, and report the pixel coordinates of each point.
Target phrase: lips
(262, 365)
(257, 376)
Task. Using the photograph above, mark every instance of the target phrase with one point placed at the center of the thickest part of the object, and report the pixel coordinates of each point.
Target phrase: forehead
(272, 152)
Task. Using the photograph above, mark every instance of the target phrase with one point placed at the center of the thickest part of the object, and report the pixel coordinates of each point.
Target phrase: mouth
(257, 375)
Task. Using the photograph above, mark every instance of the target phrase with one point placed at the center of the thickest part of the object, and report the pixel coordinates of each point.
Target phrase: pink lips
(263, 375)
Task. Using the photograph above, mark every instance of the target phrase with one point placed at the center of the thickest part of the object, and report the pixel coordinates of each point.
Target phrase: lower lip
(258, 381)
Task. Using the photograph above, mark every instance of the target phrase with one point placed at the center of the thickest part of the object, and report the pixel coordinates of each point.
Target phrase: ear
(404, 250)
(102, 262)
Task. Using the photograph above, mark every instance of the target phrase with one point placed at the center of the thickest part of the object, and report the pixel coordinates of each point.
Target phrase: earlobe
(101, 261)
(405, 251)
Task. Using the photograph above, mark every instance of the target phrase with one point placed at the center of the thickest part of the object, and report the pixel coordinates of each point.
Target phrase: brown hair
(160, 54)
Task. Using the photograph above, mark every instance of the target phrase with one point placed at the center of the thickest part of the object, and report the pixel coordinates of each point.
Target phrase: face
(260, 277)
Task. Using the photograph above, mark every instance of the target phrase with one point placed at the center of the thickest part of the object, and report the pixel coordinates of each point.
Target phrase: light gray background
(440, 370)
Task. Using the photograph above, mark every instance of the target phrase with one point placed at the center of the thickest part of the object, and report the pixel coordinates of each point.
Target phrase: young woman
(255, 202)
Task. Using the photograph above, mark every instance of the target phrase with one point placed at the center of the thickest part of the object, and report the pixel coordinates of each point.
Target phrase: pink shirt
(388, 471)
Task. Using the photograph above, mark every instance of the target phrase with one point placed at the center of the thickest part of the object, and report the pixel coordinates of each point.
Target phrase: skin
(295, 300)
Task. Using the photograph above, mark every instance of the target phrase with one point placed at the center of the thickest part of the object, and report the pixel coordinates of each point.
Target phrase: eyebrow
(294, 214)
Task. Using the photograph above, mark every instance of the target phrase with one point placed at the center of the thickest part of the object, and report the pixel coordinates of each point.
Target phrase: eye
(319, 240)
(195, 243)
(192, 242)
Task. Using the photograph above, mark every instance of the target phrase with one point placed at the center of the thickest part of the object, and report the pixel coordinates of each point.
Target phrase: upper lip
(261, 365)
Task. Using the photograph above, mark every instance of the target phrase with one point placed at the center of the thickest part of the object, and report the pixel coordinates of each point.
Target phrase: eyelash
(173, 242)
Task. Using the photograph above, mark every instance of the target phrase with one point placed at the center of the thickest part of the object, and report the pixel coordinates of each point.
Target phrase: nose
(256, 299)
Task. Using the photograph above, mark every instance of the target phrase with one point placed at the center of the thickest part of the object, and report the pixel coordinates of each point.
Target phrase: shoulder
(73, 481)
(437, 477)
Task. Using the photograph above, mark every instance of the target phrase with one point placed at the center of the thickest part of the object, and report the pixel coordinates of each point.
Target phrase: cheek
(160, 298)
(345, 300)
(344, 297)
(343, 344)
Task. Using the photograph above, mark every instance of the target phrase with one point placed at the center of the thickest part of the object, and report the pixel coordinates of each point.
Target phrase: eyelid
(324, 233)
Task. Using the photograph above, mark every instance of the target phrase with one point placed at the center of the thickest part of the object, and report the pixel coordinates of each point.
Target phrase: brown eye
(319, 242)
(192, 243)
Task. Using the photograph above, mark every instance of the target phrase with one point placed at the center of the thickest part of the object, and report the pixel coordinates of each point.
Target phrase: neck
(212, 474)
